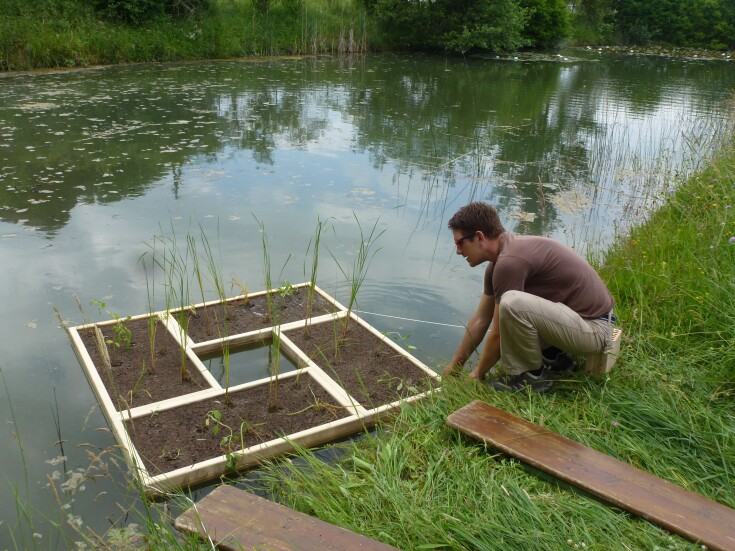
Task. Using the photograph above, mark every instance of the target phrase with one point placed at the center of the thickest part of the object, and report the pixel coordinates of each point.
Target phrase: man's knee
(514, 302)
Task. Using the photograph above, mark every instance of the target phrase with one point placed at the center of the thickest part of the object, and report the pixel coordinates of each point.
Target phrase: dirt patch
(133, 381)
(363, 364)
(244, 315)
(180, 437)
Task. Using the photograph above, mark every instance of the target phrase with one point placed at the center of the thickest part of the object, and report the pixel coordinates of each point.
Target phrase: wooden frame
(358, 416)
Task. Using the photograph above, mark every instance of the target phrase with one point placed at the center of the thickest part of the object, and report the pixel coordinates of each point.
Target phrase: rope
(409, 319)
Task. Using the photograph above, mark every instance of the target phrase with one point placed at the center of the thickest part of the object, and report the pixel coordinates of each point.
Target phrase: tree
(548, 23)
(458, 26)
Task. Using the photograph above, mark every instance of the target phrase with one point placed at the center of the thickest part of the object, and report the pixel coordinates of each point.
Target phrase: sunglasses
(459, 241)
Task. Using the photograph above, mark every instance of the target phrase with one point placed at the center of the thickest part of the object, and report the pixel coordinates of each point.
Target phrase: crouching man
(543, 304)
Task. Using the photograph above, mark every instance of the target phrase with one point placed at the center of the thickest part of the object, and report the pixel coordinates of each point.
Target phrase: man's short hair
(477, 217)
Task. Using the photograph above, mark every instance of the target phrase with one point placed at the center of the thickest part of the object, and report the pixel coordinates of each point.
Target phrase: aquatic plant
(314, 247)
(360, 265)
(191, 243)
(215, 272)
(150, 294)
(266, 271)
(121, 334)
(229, 443)
(175, 267)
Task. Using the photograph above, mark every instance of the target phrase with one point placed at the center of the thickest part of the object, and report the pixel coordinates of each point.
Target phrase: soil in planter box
(243, 315)
(247, 364)
(133, 386)
(372, 372)
(179, 437)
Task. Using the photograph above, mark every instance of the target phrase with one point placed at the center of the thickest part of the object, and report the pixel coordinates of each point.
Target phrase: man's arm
(491, 351)
(476, 329)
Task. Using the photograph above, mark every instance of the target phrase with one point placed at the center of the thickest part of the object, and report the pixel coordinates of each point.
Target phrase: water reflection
(527, 130)
(95, 163)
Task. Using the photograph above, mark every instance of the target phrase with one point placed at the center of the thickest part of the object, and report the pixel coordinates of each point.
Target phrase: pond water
(97, 164)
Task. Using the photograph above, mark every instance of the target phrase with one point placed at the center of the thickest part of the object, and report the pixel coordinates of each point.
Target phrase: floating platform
(347, 408)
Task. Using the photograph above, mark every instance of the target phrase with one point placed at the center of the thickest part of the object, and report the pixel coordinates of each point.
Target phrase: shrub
(136, 12)
(458, 26)
(548, 23)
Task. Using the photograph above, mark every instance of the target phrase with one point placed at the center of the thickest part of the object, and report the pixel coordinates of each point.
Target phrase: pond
(98, 165)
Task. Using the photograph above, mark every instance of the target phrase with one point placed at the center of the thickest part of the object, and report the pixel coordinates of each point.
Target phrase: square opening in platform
(247, 363)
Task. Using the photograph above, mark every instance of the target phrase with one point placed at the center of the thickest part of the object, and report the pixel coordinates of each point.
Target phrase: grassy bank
(666, 408)
(229, 29)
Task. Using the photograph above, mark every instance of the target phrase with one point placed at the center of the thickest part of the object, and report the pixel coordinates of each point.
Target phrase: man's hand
(452, 369)
(475, 374)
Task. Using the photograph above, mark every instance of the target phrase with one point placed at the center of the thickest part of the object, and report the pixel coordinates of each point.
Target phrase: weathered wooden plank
(679, 510)
(236, 519)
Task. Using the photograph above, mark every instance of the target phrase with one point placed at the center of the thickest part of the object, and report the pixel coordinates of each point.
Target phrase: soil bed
(178, 437)
(244, 315)
(366, 367)
(133, 382)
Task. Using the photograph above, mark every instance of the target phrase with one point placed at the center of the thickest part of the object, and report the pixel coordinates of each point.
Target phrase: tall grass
(355, 276)
(229, 29)
(665, 408)
(314, 247)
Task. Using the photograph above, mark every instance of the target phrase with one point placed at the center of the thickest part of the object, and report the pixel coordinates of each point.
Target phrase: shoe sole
(538, 387)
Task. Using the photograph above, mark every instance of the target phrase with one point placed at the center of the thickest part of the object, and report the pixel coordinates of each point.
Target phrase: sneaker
(559, 361)
(537, 381)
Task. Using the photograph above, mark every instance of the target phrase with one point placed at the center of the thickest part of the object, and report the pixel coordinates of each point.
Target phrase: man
(543, 300)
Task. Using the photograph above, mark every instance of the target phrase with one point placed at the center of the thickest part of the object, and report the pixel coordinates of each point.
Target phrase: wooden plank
(236, 519)
(686, 513)
(602, 363)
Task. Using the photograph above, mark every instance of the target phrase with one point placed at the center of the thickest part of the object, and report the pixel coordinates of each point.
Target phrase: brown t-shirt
(548, 269)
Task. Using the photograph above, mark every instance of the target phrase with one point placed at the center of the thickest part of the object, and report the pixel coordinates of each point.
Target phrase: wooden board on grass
(236, 519)
(670, 506)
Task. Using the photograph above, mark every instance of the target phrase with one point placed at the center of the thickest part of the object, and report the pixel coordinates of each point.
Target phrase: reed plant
(176, 269)
(266, 271)
(356, 276)
(222, 325)
(311, 293)
(150, 287)
(215, 272)
(192, 244)
(271, 316)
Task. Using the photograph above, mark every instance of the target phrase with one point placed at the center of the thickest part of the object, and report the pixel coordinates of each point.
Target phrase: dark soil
(133, 382)
(179, 437)
(369, 369)
(245, 315)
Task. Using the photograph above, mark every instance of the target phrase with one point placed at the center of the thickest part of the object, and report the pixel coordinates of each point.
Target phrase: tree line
(36, 33)
(508, 25)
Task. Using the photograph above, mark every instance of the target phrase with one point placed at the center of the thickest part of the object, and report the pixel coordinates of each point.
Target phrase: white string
(409, 319)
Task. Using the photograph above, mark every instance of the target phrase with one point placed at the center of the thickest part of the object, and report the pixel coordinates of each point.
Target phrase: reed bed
(228, 30)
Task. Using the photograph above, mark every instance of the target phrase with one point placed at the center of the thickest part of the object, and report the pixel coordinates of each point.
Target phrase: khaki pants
(529, 324)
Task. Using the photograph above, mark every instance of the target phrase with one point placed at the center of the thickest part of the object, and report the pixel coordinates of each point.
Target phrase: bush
(137, 12)
(548, 23)
(458, 26)
(698, 23)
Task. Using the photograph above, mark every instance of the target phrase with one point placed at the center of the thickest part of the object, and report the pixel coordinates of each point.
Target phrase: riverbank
(666, 408)
(75, 36)
(227, 30)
